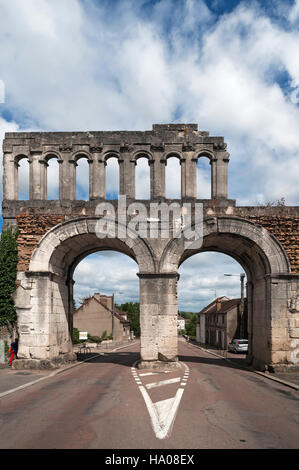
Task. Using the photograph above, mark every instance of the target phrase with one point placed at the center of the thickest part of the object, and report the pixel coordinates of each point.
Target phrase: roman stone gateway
(55, 235)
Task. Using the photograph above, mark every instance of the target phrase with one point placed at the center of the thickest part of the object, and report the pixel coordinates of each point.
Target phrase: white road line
(163, 382)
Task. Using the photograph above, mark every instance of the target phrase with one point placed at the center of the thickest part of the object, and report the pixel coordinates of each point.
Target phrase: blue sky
(230, 66)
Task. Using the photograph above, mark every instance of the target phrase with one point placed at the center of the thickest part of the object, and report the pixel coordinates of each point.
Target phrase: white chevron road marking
(162, 413)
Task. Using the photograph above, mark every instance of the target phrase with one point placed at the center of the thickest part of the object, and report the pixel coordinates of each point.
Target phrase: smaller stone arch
(44, 161)
(173, 154)
(81, 154)
(205, 153)
(111, 154)
(143, 154)
(49, 155)
(19, 157)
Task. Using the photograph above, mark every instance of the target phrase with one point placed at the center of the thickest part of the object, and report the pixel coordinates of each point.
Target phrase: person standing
(14, 350)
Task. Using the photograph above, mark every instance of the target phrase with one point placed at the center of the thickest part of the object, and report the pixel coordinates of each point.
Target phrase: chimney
(107, 301)
(218, 304)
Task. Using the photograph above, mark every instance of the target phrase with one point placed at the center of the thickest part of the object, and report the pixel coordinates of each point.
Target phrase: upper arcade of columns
(183, 141)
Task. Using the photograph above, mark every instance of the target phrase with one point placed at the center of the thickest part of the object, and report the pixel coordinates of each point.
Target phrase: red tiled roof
(226, 305)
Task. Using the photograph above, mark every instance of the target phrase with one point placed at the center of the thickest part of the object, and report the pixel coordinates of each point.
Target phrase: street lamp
(242, 277)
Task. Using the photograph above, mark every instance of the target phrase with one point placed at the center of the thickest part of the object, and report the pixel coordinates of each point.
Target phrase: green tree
(133, 312)
(8, 276)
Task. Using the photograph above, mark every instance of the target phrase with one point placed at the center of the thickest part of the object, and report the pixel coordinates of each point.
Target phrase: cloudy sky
(230, 66)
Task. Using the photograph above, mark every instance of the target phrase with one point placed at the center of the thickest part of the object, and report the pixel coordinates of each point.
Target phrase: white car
(238, 345)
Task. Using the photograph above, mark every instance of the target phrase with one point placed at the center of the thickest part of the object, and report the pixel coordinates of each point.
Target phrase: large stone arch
(236, 237)
(61, 246)
(267, 267)
(44, 297)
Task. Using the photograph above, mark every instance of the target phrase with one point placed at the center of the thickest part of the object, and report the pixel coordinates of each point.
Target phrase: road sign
(83, 335)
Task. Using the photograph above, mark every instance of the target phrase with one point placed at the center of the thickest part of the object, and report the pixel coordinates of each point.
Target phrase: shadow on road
(234, 362)
(122, 358)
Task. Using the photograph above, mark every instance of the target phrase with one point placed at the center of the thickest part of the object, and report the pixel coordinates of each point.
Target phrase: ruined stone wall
(283, 223)
(31, 229)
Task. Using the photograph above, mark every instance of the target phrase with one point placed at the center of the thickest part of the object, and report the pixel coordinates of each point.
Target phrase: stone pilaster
(36, 176)
(127, 176)
(157, 176)
(10, 177)
(190, 176)
(222, 174)
(97, 177)
(67, 177)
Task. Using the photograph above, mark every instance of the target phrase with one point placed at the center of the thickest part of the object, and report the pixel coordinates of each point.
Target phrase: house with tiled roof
(220, 322)
(98, 314)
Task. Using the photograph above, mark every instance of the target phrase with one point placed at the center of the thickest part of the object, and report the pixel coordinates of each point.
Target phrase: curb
(263, 374)
(56, 372)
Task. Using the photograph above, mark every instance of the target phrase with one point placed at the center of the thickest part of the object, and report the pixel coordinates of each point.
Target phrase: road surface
(109, 404)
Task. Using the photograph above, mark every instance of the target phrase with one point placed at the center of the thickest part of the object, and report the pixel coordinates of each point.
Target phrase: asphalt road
(108, 404)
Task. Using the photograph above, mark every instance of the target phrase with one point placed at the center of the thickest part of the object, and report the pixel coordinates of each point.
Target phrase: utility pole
(112, 316)
(242, 277)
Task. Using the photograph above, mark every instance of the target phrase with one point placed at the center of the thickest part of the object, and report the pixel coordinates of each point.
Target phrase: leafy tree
(8, 276)
(133, 312)
(76, 336)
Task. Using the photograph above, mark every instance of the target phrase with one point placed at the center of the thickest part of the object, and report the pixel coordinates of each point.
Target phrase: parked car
(238, 345)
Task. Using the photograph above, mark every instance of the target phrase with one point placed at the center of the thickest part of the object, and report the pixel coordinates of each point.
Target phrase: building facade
(220, 322)
(98, 314)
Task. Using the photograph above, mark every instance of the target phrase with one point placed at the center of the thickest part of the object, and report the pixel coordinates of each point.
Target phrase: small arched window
(82, 178)
(173, 178)
(142, 179)
(52, 185)
(23, 178)
(203, 177)
(112, 178)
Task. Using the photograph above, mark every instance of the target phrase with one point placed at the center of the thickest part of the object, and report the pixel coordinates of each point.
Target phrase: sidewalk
(288, 377)
(11, 379)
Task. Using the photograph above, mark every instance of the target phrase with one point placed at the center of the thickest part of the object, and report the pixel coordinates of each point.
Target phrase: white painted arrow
(162, 413)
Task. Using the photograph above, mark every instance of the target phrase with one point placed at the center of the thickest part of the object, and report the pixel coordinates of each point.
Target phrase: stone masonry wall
(284, 226)
(31, 229)
(281, 224)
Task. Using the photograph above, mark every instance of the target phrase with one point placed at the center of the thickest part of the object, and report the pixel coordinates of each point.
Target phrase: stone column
(213, 163)
(97, 186)
(127, 176)
(190, 174)
(10, 177)
(157, 176)
(222, 174)
(158, 318)
(43, 170)
(67, 177)
(36, 170)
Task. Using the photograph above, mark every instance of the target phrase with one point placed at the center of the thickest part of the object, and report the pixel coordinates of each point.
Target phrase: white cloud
(91, 67)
